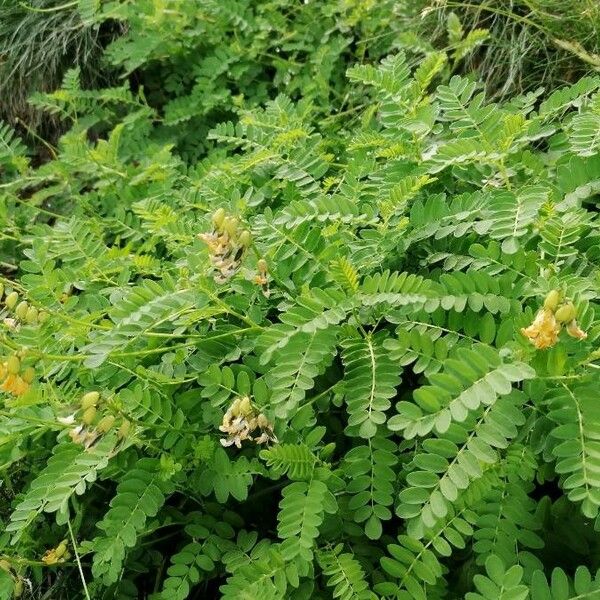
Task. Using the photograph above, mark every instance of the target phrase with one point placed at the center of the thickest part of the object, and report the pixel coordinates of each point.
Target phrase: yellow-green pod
(566, 313)
(89, 415)
(218, 217)
(13, 364)
(245, 238)
(552, 299)
(28, 374)
(1, 290)
(124, 429)
(32, 315)
(105, 424)
(11, 300)
(21, 310)
(230, 226)
(90, 399)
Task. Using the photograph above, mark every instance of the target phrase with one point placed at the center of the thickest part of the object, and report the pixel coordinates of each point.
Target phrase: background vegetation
(299, 299)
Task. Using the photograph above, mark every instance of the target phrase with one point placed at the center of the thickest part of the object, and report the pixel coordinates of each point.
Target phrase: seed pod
(89, 415)
(28, 375)
(566, 313)
(245, 238)
(1, 290)
(218, 218)
(13, 365)
(21, 310)
(262, 266)
(262, 421)
(32, 315)
(18, 588)
(11, 300)
(105, 424)
(230, 226)
(61, 549)
(124, 429)
(43, 315)
(552, 299)
(90, 399)
(4, 565)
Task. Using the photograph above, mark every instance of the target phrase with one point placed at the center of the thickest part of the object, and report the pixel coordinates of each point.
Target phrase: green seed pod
(262, 266)
(230, 226)
(245, 238)
(552, 300)
(18, 588)
(32, 315)
(21, 310)
(124, 429)
(566, 313)
(218, 218)
(89, 415)
(13, 364)
(43, 315)
(11, 300)
(90, 399)
(28, 375)
(105, 424)
(1, 290)
(4, 565)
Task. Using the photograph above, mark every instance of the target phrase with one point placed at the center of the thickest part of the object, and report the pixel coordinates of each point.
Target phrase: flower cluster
(543, 332)
(23, 311)
(90, 425)
(241, 420)
(226, 244)
(15, 379)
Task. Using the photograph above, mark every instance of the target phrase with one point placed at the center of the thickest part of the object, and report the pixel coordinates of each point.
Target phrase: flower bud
(13, 365)
(245, 406)
(124, 429)
(218, 217)
(245, 238)
(61, 549)
(552, 300)
(89, 415)
(28, 375)
(11, 300)
(90, 399)
(21, 310)
(32, 315)
(106, 423)
(230, 226)
(566, 313)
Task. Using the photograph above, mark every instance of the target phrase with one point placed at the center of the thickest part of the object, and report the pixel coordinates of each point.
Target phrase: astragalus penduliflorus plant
(356, 367)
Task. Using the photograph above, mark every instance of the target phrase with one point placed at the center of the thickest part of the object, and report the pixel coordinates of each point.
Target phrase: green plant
(352, 360)
(531, 43)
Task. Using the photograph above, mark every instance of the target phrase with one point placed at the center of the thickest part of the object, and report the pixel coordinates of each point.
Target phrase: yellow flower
(15, 385)
(543, 332)
(574, 331)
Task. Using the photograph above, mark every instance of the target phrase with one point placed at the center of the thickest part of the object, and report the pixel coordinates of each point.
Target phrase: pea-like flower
(543, 332)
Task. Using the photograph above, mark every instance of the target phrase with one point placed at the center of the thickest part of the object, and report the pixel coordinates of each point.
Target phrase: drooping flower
(543, 332)
(575, 331)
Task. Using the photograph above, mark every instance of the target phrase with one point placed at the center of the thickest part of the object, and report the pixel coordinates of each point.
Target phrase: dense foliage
(340, 342)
